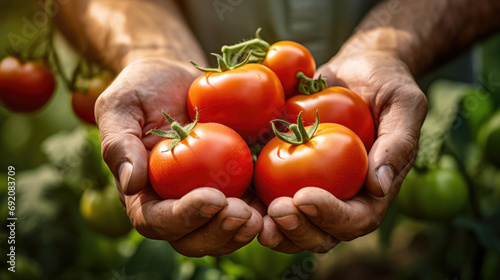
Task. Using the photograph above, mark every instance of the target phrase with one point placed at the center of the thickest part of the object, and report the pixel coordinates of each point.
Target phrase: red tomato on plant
(25, 86)
(335, 105)
(199, 155)
(286, 59)
(84, 97)
(245, 98)
(328, 156)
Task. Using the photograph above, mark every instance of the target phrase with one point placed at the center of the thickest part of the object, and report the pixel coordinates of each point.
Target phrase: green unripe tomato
(406, 197)
(443, 194)
(103, 212)
(435, 194)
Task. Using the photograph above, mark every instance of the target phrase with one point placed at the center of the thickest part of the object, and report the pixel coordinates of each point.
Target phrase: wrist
(156, 55)
(388, 41)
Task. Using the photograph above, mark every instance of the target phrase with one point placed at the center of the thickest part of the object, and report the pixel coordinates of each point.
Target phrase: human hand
(314, 219)
(204, 221)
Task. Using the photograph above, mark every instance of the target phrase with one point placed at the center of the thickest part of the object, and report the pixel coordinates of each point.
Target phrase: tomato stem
(257, 45)
(235, 56)
(223, 65)
(310, 86)
(177, 133)
(300, 134)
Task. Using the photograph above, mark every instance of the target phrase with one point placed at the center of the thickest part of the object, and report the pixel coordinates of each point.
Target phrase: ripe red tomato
(335, 105)
(84, 98)
(333, 159)
(25, 86)
(212, 155)
(245, 99)
(286, 59)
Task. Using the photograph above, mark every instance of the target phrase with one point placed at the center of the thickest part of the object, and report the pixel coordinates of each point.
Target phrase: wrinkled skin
(314, 219)
(203, 222)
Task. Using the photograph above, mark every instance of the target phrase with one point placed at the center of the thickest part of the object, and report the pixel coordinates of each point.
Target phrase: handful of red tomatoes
(256, 91)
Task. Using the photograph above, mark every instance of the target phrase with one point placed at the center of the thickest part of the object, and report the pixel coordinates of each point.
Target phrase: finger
(250, 229)
(344, 220)
(296, 227)
(395, 149)
(251, 198)
(210, 238)
(272, 237)
(122, 148)
(172, 219)
(243, 236)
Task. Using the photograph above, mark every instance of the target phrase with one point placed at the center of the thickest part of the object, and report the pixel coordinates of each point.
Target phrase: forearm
(425, 33)
(117, 32)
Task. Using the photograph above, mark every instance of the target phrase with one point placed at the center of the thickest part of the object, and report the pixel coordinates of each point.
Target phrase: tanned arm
(427, 33)
(117, 32)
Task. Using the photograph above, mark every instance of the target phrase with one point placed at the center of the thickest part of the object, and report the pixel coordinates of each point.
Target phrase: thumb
(121, 145)
(401, 110)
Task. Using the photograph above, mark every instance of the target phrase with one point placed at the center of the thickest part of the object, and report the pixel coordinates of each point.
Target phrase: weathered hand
(314, 219)
(204, 221)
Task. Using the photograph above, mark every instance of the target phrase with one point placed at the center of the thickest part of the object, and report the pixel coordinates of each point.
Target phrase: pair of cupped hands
(204, 221)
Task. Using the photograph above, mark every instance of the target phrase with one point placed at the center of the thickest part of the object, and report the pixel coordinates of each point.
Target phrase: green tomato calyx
(300, 134)
(235, 56)
(178, 132)
(310, 86)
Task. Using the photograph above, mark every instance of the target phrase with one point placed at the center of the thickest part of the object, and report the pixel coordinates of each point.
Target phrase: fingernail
(289, 222)
(384, 177)
(232, 223)
(242, 237)
(273, 245)
(124, 173)
(309, 210)
(209, 210)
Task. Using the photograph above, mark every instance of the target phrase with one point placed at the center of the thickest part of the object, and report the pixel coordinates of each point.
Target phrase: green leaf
(285, 123)
(262, 261)
(172, 145)
(312, 130)
(294, 139)
(76, 155)
(166, 134)
(153, 260)
(487, 230)
(300, 135)
(188, 128)
(35, 206)
(444, 99)
(168, 117)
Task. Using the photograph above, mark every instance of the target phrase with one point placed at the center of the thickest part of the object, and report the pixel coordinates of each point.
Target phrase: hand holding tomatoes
(314, 219)
(204, 221)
